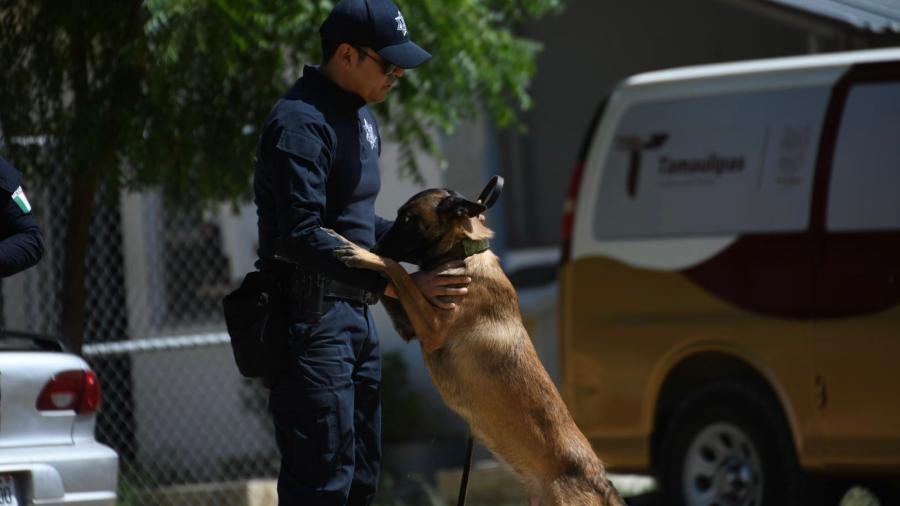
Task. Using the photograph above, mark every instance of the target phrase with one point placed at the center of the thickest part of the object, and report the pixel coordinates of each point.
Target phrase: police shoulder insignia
(370, 133)
(21, 200)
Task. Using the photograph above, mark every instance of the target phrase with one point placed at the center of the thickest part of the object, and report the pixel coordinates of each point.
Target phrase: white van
(730, 287)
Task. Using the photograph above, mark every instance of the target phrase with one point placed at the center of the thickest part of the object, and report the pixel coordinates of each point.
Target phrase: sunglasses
(386, 67)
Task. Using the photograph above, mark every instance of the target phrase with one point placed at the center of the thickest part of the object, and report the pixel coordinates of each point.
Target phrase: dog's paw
(349, 255)
(338, 236)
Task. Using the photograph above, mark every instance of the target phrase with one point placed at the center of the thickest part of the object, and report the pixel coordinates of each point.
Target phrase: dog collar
(459, 251)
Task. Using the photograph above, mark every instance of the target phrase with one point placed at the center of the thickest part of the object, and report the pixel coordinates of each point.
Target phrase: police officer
(21, 242)
(317, 167)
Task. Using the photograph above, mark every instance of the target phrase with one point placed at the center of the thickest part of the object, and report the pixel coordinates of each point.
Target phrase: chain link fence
(175, 407)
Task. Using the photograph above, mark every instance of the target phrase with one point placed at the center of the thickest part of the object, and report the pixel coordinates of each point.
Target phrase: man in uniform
(21, 242)
(317, 167)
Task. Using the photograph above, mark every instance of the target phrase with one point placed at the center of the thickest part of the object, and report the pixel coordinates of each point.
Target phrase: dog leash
(464, 483)
(488, 197)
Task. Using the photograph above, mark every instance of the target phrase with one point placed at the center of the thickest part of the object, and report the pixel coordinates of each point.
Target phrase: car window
(11, 340)
(715, 164)
(865, 175)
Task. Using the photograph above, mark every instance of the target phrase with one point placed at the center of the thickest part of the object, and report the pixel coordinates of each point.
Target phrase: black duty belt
(338, 290)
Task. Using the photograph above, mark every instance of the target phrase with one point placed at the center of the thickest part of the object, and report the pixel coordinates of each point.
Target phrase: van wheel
(729, 445)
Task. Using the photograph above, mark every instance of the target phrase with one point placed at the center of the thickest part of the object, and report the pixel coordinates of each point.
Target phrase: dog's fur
(480, 356)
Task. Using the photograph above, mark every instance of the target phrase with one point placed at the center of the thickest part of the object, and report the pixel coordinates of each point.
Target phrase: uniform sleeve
(22, 245)
(301, 162)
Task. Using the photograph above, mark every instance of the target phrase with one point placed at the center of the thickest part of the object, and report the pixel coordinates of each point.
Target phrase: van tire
(727, 435)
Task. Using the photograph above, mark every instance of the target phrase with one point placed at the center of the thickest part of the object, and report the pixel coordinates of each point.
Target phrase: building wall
(589, 48)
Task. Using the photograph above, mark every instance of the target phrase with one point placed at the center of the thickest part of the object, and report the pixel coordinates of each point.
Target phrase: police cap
(377, 24)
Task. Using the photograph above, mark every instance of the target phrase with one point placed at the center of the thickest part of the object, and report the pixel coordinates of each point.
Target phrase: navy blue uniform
(21, 242)
(317, 166)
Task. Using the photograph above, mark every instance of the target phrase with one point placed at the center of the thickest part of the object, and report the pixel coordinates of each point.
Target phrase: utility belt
(309, 295)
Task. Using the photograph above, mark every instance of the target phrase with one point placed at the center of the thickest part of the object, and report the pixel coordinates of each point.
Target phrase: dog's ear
(458, 206)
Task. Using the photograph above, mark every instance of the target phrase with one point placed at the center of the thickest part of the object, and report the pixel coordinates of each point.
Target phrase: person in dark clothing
(317, 169)
(21, 241)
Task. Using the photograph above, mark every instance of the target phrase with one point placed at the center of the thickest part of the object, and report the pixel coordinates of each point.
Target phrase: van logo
(635, 146)
(712, 165)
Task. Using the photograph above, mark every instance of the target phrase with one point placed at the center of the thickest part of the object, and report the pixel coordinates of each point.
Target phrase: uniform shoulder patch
(302, 145)
(21, 200)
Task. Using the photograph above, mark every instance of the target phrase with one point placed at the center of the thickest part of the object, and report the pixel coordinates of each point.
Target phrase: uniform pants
(327, 411)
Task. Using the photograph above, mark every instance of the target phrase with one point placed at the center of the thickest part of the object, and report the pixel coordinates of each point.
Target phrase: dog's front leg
(424, 317)
(426, 320)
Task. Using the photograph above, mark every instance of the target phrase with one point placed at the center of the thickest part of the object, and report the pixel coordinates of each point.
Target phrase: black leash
(489, 195)
(464, 483)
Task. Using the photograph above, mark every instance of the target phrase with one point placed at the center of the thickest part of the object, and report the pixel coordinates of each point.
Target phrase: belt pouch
(308, 290)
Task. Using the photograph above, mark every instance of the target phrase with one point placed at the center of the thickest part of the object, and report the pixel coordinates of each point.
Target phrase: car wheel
(728, 444)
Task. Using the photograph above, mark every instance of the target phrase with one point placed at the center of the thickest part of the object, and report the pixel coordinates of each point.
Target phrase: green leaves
(168, 93)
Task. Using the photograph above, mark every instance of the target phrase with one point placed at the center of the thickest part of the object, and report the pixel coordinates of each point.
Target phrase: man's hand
(440, 285)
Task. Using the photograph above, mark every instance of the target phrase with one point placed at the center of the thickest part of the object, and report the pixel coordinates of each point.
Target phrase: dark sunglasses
(386, 67)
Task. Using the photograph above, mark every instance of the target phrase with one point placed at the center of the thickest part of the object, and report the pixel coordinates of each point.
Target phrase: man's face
(368, 77)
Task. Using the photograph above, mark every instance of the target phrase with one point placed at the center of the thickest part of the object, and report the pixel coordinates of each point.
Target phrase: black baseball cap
(377, 24)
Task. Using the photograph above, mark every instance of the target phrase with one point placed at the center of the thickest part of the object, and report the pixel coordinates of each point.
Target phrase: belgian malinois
(479, 354)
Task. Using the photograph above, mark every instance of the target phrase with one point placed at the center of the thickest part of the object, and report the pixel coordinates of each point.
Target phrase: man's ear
(347, 54)
(459, 207)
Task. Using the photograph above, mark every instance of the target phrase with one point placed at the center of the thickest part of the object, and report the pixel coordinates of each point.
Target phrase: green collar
(459, 251)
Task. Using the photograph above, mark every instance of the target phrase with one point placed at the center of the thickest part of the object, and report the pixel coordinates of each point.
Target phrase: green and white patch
(21, 200)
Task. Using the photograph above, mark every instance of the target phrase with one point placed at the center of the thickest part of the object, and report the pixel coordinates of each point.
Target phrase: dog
(479, 354)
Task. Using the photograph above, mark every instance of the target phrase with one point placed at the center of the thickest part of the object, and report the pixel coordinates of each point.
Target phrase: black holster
(305, 295)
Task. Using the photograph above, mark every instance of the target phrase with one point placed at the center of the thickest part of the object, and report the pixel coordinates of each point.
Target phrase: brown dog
(480, 356)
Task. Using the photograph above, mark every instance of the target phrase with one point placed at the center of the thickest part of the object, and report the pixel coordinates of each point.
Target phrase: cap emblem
(401, 23)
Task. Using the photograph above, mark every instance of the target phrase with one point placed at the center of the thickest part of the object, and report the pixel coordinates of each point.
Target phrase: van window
(865, 175)
(712, 165)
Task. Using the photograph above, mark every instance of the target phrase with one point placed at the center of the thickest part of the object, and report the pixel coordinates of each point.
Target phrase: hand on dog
(441, 285)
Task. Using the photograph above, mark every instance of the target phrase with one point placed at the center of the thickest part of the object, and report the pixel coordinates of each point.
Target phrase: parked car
(730, 289)
(48, 407)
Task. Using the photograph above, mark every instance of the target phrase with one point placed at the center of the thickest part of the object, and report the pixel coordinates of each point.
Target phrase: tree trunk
(93, 157)
(81, 191)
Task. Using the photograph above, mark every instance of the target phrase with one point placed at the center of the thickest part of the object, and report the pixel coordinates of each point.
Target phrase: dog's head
(430, 224)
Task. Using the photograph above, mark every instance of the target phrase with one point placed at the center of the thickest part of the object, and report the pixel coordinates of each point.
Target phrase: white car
(48, 408)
